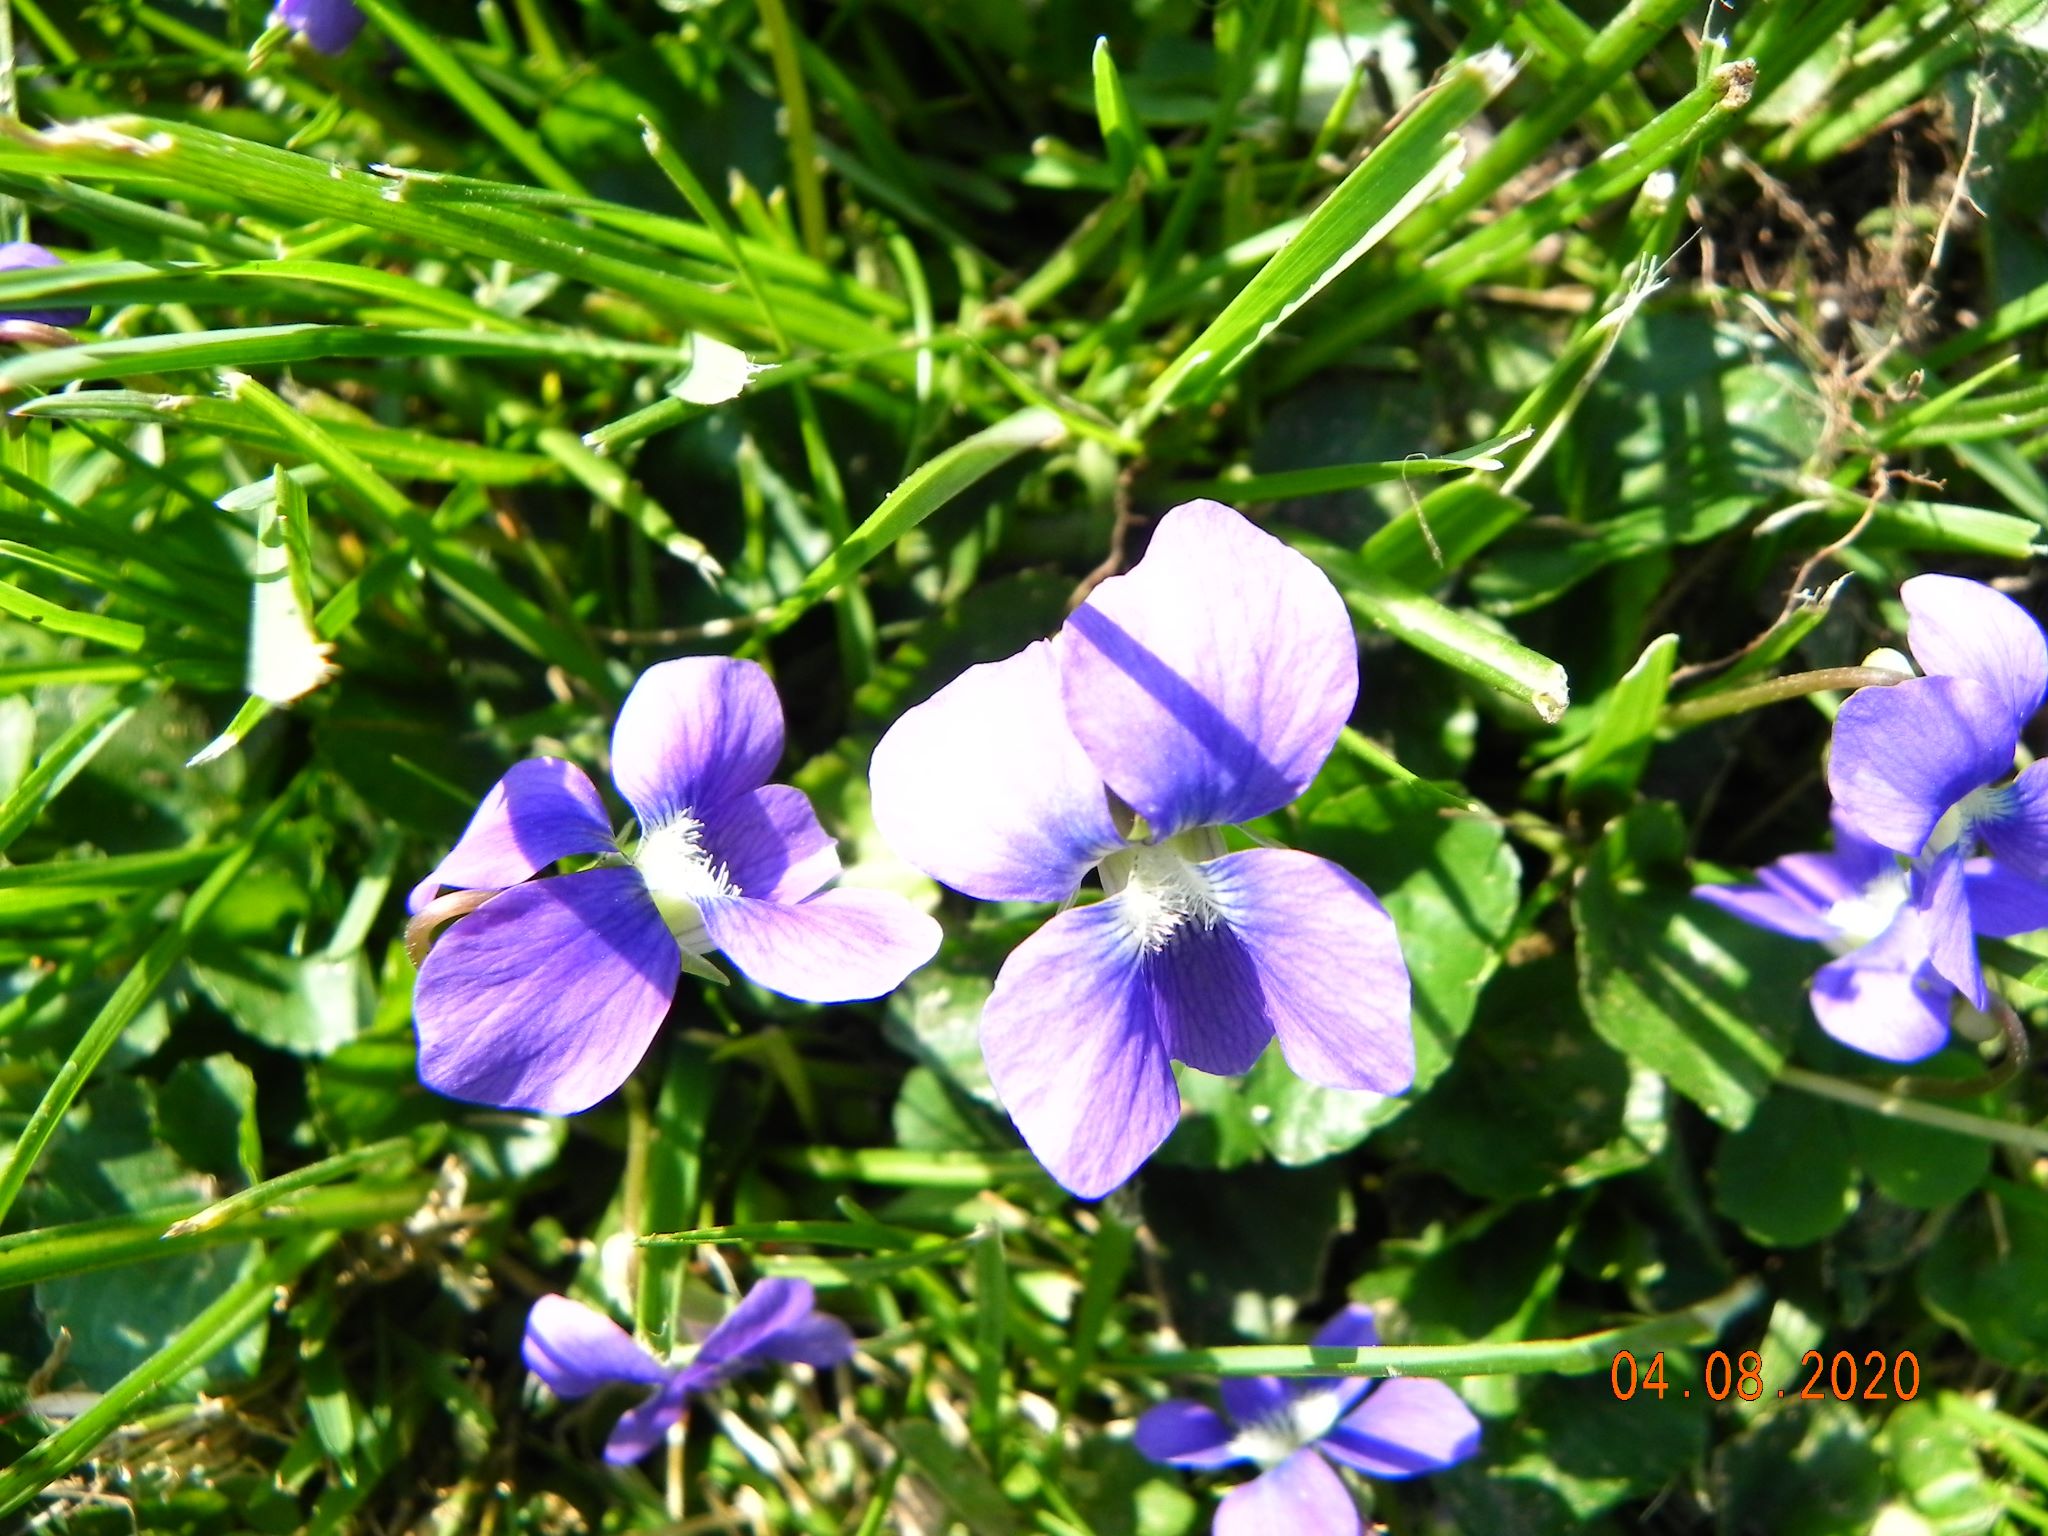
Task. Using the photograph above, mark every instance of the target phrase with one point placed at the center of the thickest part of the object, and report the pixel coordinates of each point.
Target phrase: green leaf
(111, 1158)
(309, 1005)
(1451, 883)
(925, 490)
(1921, 1166)
(1983, 1274)
(1614, 756)
(1463, 641)
(1675, 985)
(1417, 159)
(1786, 1178)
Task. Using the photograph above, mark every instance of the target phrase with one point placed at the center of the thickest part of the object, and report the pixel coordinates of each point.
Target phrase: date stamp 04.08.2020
(1874, 1378)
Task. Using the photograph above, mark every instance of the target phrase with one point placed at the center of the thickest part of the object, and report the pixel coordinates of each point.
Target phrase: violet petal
(542, 810)
(1329, 965)
(1250, 1400)
(645, 1426)
(1960, 628)
(1207, 1000)
(1886, 999)
(693, 734)
(547, 996)
(984, 787)
(1406, 1427)
(1944, 907)
(1209, 682)
(16, 255)
(770, 1308)
(1300, 1497)
(838, 947)
(1778, 910)
(771, 844)
(1074, 1051)
(1179, 1433)
(328, 26)
(2003, 904)
(1354, 1327)
(577, 1350)
(2018, 834)
(1904, 754)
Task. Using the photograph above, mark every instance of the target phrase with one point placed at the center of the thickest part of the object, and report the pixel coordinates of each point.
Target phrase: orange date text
(1843, 1376)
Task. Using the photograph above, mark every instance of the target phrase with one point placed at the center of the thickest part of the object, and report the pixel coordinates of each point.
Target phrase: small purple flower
(547, 995)
(1917, 767)
(1204, 687)
(328, 26)
(1398, 1428)
(577, 1352)
(17, 255)
(1882, 994)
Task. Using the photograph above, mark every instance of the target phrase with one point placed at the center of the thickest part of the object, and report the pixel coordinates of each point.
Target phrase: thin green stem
(1588, 1352)
(1794, 685)
(1894, 1105)
(803, 140)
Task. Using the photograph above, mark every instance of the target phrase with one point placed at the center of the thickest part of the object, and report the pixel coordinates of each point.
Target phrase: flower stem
(1794, 685)
(1589, 1352)
(1898, 1106)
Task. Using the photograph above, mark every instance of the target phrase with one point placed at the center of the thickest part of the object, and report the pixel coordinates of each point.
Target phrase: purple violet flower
(1916, 767)
(16, 255)
(547, 995)
(1882, 994)
(577, 1351)
(1398, 1428)
(328, 26)
(1204, 687)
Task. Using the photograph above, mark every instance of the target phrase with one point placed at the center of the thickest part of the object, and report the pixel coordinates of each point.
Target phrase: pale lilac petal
(542, 810)
(820, 1341)
(984, 788)
(1962, 628)
(1329, 964)
(1207, 1000)
(2003, 904)
(15, 256)
(645, 1426)
(1405, 1427)
(1352, 1328)
(1184, 1434)
(1885, 999)
(2017, 831)
(1209, 683)
(771, 844)
(1075, 1054)
(1904, 754)
(837, 947)
(1944, 907)
(328, 26)
(547, 996)
(693, 734)
(577, 1351)
(1763, 907)
(1300, 1497)
(1251, 1400)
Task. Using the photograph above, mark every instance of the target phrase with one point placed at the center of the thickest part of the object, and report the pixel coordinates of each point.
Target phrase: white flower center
(1305, 1420)
(1860, 918)
(680, 872)
(1160, 889)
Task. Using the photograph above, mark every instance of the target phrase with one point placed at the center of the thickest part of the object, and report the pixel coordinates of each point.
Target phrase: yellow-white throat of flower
(1160, 886)
(680, 873)
(1306, 1419)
